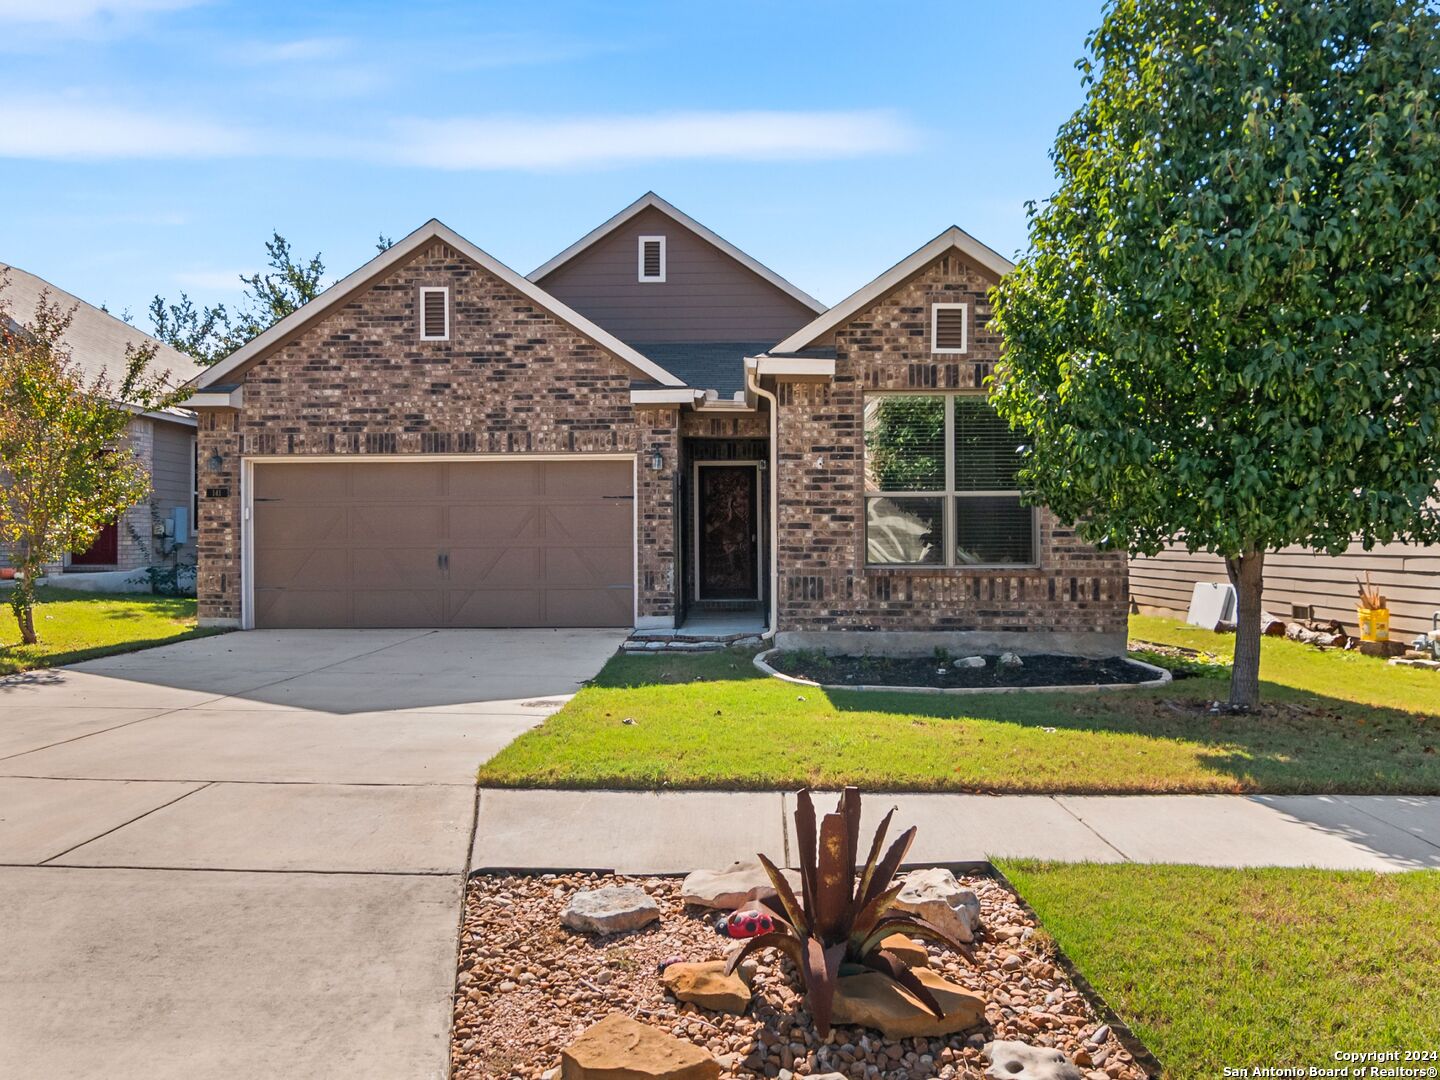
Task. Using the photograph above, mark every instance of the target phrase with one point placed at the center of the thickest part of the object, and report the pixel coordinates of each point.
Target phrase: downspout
(752, 382)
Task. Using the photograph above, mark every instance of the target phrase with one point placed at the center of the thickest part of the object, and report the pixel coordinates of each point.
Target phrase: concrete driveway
(244, 855)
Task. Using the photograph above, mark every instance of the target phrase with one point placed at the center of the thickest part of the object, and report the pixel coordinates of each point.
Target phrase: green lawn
(75, 626)
(1250, 967)
(1332, 722)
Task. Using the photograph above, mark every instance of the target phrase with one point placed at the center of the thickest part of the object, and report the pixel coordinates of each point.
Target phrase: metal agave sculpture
(836, 926)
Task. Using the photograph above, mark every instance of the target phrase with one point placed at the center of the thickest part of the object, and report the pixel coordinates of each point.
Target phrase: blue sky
(150, 146)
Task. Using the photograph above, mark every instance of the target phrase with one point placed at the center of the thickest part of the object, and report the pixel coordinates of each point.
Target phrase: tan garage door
(472, 543)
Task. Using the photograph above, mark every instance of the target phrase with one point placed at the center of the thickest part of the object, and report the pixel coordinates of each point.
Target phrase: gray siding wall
(706, 295)
(1408, 575)
(172, 477)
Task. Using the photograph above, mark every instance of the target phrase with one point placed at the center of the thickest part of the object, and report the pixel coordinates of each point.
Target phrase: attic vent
(434, 314)
(652, 258)
(948, 328)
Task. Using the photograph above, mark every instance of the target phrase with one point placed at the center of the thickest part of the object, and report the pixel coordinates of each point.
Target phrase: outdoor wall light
(215, 462)
(657, 459)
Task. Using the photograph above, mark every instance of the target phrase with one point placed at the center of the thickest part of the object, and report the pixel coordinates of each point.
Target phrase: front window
(940, 486)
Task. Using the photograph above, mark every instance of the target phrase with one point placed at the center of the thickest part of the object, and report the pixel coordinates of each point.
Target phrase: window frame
(948, 497)
(640, 260)
(935, 309)
(444, 291)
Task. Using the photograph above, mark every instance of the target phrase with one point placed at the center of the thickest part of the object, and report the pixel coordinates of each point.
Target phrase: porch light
(215, 462)
(657, 459)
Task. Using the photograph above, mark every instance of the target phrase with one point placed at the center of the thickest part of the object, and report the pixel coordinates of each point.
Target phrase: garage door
(474, 543)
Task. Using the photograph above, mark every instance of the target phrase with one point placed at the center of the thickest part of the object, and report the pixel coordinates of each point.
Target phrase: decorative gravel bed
(527, 987)
(953, 673)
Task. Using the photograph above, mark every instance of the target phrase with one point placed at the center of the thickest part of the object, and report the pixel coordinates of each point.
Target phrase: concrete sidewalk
(646, 832)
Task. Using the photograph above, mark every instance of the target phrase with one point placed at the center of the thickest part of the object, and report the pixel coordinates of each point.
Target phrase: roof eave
(954, 238)
(394, 255)
(652, 201)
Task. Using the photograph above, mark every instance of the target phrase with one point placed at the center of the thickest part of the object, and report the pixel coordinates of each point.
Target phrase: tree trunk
(22, 602)
(1247, 574)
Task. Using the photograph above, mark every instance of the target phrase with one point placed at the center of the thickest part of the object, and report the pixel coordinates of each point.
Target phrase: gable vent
(948, 328)
(434, 314)
(652, 258)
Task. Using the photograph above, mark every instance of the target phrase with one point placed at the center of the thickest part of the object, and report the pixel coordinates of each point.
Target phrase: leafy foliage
(838, 922)
(1227, 329)
(905, 442)
(210, 333)
(65, 470)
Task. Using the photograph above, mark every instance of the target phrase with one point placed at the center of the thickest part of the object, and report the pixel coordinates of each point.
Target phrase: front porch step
(655, 641)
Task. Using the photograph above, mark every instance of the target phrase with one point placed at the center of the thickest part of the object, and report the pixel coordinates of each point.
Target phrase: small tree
(1227, 328)
(65, 470)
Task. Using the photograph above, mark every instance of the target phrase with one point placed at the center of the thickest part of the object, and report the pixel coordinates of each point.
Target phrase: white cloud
(82, 131)
(210, 280)
(288, 52)
(549, 143)
(72, 12)
(70, 129)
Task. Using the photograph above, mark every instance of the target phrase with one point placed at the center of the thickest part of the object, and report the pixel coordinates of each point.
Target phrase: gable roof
(650, 201)
(96, 338)
(397, 253)
(953, 238)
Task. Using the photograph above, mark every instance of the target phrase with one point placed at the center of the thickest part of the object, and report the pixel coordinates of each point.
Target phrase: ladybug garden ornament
(745, 924)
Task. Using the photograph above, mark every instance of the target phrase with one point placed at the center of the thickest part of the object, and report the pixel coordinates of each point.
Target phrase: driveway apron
(244, 855)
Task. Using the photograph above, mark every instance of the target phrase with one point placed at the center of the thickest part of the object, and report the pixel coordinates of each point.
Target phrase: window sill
(954, 571)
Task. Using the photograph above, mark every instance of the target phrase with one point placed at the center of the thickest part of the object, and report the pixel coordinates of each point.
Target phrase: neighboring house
(651, 430)
(164, 441)
(1302, 582)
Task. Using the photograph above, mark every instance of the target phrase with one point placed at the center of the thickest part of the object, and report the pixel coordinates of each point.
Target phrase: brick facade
(824, 583)
(511, 379)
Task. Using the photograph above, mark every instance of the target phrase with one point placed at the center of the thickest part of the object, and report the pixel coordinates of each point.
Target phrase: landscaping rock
(876, 1001)
(610, 910)
(619, 1048)
(940, 900)
(708, 986)
(1010, 662)
(970, 662)
(727, 889)
(1011, 1060)
(907, 949)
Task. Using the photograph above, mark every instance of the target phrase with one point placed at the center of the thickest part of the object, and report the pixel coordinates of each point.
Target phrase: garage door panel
(395, 567)
(402, 481)
(398, 522)
(494, 521)
(496, 607)
(587, 607)
(479, 567)
(509, 480)
(284, 524)
(588, 480)
(606, 567)
(484, 543)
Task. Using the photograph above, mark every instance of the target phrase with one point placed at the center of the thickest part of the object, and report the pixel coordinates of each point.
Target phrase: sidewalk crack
(137, 817)
(1093, 831)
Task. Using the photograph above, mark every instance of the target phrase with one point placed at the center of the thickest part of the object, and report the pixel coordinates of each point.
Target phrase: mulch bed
(527, 986)
(930, 671)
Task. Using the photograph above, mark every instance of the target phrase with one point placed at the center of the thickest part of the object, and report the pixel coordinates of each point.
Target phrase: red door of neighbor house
(105, 551)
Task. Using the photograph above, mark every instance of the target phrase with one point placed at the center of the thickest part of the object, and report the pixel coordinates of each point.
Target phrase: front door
(105, 551)
(727, 518)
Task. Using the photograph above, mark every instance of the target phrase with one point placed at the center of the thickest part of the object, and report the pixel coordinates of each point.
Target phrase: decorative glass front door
(727, 520)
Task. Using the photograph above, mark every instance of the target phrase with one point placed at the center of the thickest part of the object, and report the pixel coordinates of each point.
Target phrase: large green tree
(1227, 327)
(65, 466)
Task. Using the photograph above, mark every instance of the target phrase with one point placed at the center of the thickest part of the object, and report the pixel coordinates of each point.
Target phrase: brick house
(652, 430)
(160, 528)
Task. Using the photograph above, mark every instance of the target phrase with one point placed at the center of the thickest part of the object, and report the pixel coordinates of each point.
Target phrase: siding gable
(706, 295)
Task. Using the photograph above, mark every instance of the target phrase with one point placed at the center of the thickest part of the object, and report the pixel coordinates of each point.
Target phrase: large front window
(940, 484)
